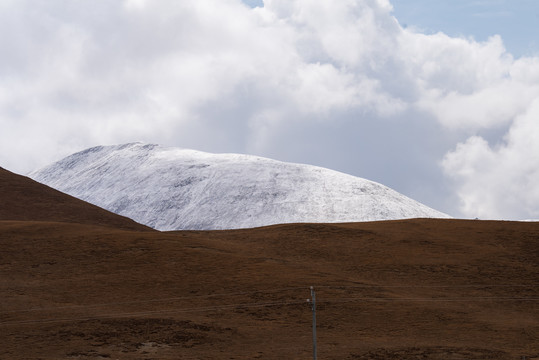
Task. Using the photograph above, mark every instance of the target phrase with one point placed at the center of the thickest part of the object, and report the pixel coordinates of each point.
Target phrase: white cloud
(490, 106)
(500, 181)
(219, 76)
(347, 32)
(140, 68)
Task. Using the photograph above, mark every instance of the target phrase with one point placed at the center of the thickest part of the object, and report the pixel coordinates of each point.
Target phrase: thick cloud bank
(333, 83)
(499, 180)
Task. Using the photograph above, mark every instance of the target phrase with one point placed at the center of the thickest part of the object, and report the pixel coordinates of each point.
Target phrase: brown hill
(415, 289)
(22, 198)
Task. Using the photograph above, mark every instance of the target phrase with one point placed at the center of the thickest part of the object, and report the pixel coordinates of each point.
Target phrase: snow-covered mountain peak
(173, 188)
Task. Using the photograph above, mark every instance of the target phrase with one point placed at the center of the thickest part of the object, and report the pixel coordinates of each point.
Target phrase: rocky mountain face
(174, 189)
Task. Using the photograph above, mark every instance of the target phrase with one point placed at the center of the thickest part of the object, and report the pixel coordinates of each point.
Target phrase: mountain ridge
(178, 189)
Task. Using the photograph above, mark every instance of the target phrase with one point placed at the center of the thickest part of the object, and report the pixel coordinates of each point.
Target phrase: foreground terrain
(414, 289)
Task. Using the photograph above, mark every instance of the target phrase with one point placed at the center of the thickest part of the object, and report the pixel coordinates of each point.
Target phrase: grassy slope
(22, 198)
(79, 282)
(426, 289)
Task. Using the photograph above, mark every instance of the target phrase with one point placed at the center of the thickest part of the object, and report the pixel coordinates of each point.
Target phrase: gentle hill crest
(173, 189)
(24, 199)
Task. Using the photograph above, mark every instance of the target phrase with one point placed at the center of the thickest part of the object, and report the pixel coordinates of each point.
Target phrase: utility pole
(312, 300)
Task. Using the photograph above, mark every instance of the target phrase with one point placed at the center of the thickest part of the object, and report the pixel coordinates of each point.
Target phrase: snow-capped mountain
(172, 189)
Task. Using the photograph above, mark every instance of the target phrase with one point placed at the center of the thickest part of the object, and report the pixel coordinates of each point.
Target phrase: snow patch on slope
(172, 188)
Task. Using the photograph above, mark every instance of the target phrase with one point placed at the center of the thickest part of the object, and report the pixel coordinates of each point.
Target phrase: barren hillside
(411, 289)
(22, 198)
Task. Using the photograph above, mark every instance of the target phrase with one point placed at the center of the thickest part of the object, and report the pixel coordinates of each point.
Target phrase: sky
(437, 101)
(516, 21)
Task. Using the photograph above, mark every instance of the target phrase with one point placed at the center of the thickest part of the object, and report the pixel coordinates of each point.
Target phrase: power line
(429, 286)
(238, 293)
(154, 300)
(266, 304)
(154, 312)
(418, 299)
